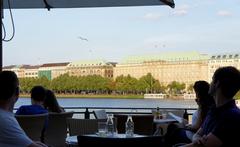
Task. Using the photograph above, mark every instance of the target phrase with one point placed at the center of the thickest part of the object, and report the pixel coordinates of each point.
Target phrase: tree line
(95, 84)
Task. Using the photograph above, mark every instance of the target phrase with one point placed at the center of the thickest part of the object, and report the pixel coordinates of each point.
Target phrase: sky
(66, 35)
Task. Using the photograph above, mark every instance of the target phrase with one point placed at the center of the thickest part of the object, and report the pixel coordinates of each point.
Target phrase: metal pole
(1, 45)
(86, 114)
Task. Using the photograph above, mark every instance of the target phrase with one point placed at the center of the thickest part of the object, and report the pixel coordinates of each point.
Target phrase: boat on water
(155, 96)
(189, 95)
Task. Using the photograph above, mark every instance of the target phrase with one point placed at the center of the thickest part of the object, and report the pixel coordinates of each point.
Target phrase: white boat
(189, 95)
(155, 96)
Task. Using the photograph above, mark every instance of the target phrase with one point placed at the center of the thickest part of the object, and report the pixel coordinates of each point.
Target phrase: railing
(87, 112)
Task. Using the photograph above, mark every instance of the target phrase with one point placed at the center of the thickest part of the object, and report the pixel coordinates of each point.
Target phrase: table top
(72, 140)
(164, 121)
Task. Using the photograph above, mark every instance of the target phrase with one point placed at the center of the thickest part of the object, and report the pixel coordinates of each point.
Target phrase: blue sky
(207, 26)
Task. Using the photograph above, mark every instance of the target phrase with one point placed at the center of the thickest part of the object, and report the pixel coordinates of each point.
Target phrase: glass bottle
(129, 127)
(110, 125)
(158, 114)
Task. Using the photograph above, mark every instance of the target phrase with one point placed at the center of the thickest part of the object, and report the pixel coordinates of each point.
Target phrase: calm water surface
(132, 103)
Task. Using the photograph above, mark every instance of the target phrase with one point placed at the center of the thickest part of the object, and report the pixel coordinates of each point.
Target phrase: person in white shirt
(11, 134)
(175, 133)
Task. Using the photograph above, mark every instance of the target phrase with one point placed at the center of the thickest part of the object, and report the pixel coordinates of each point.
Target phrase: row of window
(225, 56)
(80, 65)
(33, 73)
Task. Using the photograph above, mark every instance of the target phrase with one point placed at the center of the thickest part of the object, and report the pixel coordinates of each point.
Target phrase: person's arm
(197, 125)
(206, 141)
(211, 141)
(197, 135)
(196, 122)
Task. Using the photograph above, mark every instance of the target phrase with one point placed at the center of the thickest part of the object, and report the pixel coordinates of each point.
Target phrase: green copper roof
(169, 56)
(88, 63)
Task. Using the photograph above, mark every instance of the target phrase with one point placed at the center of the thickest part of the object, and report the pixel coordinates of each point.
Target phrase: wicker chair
(82, 126)
(33, 125)
(100, 114)
(56, 132)
(143, 124)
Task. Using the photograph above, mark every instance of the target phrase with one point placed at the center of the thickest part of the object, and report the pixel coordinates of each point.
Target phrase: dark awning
(34, 4)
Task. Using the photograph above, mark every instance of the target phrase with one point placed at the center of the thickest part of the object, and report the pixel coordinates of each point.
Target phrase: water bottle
(129, 127)
(110, 125)
(158, 114)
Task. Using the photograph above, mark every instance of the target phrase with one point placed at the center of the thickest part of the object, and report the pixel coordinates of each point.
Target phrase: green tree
(190, 88)
(158, 88)
(120, 84)
(126, 84)
(147, 83)
(176, 87)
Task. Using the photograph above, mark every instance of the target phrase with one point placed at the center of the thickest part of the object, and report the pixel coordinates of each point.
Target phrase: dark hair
(229, 80)
(8, 85)
(51, 103)
(38, 93)
(201, 88)
(206, 101)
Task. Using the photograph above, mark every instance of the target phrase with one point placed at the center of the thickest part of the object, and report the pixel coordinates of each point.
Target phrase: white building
(221, 60)
(52, 70)
(30, 71)
(91, 67)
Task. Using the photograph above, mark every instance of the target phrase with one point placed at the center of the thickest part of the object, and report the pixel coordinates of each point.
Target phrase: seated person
(38, 94)
(51, 103)
(223, 121)
(176, 134)
(205, 103)
(11, 134)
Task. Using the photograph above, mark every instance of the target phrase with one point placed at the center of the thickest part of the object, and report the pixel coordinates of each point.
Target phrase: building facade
(96, 67)
(181, 67)
(221, 60)
(30, 71)
(52, 70)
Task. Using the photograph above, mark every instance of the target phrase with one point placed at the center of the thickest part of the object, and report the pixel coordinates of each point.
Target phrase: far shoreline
(79, 96)
(99, 96)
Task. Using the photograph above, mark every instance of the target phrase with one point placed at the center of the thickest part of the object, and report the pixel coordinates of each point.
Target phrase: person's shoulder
(4, 115)
(35, 107)
(7, 120)
(24, 106)
(39, 109)
(31, 110)
(21, 109)
(232, 114)
(234, 111)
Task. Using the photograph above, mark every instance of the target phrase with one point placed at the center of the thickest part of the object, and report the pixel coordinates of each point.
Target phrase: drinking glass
(102, 130)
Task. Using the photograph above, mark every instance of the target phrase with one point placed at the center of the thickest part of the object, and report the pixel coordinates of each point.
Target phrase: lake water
(126, 103)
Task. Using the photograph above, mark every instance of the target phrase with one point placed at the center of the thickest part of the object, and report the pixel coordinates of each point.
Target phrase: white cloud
(181, 10)
(152, 16)
(224, 13)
